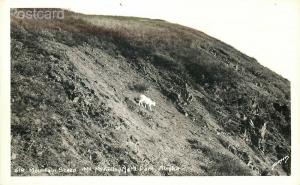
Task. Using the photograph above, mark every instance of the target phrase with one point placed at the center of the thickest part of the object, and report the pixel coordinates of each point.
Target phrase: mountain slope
(74, 89)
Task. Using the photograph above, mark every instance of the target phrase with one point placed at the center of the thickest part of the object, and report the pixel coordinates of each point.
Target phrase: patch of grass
(226, 166)
(222, 164)
(139, 87)
(210, 72)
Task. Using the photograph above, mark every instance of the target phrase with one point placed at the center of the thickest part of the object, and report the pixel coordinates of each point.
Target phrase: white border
(5, 177)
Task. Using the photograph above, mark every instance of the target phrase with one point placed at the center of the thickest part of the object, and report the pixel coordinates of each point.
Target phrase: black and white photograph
(128, 88)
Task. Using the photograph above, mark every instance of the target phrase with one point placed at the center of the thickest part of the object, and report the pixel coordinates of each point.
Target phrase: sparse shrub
(227, 166)
(210, 72)
(222, 164)
(139, 87)
(130, 103)
(164, 61)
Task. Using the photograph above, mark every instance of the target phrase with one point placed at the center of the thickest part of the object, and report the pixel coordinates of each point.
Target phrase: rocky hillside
(75, 85)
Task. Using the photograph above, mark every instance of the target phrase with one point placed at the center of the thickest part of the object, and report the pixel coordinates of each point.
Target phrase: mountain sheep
(146, 102)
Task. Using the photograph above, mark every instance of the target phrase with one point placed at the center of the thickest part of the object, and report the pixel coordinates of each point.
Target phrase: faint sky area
(267, 30)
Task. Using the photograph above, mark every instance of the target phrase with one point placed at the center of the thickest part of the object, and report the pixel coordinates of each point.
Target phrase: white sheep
(146, 102)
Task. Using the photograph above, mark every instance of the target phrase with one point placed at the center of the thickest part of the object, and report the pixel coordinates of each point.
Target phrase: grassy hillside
(74, 89)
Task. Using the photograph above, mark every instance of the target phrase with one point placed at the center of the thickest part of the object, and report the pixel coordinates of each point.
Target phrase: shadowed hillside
(75, 85)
